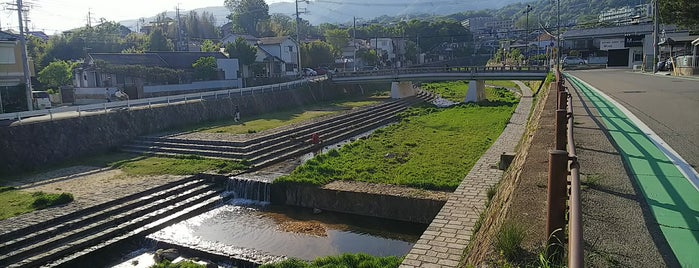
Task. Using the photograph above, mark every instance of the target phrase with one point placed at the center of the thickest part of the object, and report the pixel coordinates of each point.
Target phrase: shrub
(344, 260)
(184, 264)
(509, 240)
(43, 200)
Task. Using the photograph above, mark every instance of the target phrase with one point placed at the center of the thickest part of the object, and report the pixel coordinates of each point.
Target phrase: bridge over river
(402, 79)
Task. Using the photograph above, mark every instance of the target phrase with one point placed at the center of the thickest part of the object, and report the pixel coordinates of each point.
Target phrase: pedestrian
(236, 117)
(107, 95)
(317, 143)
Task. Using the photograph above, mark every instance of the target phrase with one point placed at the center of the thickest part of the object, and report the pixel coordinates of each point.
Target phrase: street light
(526, 35)
(558, 34)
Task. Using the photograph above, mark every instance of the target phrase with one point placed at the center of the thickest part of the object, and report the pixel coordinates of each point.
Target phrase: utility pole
(89, 17)
(526, 36)
(558, 33)
(354, 42)
(25, 62)
(179, 46)
(656, 39)
(298, 35)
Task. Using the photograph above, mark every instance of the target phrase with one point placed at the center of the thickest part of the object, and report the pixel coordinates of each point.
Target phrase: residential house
(93, 81)
(39, 34)
(12, 95)
(231, 37)
(279, 55)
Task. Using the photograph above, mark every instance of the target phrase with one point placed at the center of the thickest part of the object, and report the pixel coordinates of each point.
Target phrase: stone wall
(26, 147)
(401, 208)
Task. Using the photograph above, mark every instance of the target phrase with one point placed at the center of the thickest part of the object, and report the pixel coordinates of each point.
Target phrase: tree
(684, 13)
(246, 54)
(56, 74)
(316, 53)
(158, 41)
(209, 46)
(247, 14)
(136, 43)
(337, 38)
(205, 68)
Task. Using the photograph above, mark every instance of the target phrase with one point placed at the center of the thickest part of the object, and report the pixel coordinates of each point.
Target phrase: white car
(309, 72)
(573, 61)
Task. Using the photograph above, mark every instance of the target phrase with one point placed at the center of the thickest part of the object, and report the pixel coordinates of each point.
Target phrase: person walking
(317, 143)
(107, 95)
(236, 115)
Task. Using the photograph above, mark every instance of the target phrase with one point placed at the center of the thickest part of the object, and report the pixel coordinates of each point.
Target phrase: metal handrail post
(556, 202)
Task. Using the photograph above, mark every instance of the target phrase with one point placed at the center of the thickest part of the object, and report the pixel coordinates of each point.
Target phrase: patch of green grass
(456, 91)
(186, 165)
(16, 202)
(502, 83)
(344, 260)
(183, 264)
(591, 181)
(429, 149)
(509, 239)
(492, 190)
(267, 121)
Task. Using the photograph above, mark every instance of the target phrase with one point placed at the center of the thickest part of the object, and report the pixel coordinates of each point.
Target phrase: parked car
(573, 61)
(320, 71)
(370, 68)
(41, 100)
(309, 72)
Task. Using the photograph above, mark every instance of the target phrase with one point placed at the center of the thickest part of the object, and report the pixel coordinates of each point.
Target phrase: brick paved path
(444, 241)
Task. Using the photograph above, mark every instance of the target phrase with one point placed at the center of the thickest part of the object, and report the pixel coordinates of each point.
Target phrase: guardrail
(561, 164)
(167, 100)
(445, 69)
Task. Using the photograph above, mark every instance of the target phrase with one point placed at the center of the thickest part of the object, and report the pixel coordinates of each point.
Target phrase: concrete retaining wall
(374, 205)
(30, 146)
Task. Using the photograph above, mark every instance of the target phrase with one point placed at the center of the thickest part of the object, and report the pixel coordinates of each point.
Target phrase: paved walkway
(445, 240)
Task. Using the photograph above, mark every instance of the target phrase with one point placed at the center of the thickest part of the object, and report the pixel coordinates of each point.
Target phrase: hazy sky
(53, 16)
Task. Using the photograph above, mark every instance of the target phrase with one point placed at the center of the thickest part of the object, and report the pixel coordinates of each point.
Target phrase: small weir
(254, 231)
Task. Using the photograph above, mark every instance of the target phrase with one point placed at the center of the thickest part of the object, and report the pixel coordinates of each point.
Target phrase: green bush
(509, 240)
(184, 264)
(360, 260)
(43, 200)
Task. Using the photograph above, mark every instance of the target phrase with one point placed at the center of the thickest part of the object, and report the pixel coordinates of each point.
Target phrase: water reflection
(256, 232)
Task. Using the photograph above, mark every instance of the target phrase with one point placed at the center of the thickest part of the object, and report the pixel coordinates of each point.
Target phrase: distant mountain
(342, 11)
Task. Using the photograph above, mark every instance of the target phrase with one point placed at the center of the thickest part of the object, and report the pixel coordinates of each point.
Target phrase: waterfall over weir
(249, 188)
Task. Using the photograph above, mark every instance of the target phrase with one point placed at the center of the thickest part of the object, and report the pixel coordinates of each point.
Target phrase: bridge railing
(563, 161)
(445, 69)
(149, 102)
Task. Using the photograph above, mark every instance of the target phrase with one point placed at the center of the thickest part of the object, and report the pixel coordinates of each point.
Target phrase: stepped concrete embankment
(31, 146)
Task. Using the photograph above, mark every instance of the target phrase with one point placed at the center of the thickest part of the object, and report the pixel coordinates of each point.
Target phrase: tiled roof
(145, 59)
(184, 60)
(5, 36)
(272, 40)
(174, 60)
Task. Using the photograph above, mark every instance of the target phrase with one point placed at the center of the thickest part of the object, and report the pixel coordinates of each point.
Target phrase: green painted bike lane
(672, 199)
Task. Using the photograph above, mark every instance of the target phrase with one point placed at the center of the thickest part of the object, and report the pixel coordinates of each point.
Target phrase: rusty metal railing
(563, 161)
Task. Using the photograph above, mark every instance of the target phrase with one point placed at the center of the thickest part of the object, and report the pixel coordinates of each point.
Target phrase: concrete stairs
(63, 239)
(269, 149)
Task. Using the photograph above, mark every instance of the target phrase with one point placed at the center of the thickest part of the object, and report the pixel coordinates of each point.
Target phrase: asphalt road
(668, 105)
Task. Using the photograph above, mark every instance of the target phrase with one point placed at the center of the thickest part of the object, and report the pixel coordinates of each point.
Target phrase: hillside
(338, 11)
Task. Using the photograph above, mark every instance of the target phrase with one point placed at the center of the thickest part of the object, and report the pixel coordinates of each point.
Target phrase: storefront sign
(611, 44)
(633, 40)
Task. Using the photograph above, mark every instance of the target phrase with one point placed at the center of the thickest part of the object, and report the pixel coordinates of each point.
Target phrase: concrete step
(83, 220)
(99, 229)
(259, 141)
(177, 215)
(96, 208)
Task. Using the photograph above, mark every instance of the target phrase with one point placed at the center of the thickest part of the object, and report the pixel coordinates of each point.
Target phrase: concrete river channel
(250, 230)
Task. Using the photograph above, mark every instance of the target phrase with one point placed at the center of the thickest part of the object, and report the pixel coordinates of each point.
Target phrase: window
(291, 48)
(637, 56)
(7, 55)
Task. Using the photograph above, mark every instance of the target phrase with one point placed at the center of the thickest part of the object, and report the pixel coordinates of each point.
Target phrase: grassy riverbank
(259, 123)
(430, 148)
(15, 202)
